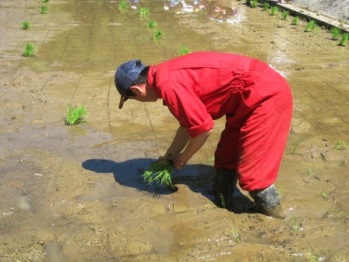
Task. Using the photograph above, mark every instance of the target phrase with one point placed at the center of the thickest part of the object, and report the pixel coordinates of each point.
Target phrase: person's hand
(180, 161)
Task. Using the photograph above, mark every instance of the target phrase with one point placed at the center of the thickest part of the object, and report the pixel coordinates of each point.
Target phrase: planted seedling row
(337, 34)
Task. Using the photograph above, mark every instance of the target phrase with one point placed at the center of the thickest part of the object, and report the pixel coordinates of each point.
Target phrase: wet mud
(75, 193)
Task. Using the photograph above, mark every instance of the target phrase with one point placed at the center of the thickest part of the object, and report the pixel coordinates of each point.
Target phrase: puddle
(76, 193)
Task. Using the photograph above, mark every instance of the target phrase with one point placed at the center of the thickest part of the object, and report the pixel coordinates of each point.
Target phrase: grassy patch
(75, 115)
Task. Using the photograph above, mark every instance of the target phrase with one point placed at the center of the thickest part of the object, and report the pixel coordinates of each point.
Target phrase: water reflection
(220, 11)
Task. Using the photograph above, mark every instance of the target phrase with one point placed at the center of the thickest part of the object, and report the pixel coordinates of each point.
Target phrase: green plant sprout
(339, 145)
(75, 115)
(312, 257)
(274, 10)
(295, 226)
(183, 51)
(336, 32)
(254, 3)
(309, 172)
(45, 1)
(25, 25)
(29, 50)
(284, 15)
(43, 9)
(159, 173)
(158, 34)
(144, 12)
(123, 5)
(266, 6)
(222, 201)
(236, 235)
(295, 20)
(344, 39)
(152, 24)
(324, 194)
(310, 26)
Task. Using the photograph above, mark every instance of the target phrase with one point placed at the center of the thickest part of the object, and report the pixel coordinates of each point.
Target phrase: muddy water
(76, 193)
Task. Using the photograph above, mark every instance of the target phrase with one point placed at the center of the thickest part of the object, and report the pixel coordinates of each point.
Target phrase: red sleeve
(187, 108)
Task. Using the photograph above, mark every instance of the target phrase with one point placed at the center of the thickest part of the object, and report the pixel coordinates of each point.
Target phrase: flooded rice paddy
(75, 193)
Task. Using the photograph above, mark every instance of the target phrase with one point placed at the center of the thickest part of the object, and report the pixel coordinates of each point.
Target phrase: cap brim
(123, 99)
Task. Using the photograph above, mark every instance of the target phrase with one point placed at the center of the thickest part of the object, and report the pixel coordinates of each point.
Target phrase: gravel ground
(338, 9)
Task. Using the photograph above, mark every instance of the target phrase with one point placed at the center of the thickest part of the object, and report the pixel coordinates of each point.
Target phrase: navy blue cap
(125, 75)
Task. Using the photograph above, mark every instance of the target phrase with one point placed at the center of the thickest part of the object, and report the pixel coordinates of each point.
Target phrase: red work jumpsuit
(255, 99)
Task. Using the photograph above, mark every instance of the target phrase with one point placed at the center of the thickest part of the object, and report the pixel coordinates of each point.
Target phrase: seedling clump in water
(336, 32)
(274, 10)
(344, 40)
(158, 34)
(284, 15)
(123, 5)
(266, 6)
(29, 50)
(152, 24)
(43, 9)
(144, 12)
(25, 25)
(75, 115)
(159, 173)
(295, 20)
(183, 51)
(310, 26)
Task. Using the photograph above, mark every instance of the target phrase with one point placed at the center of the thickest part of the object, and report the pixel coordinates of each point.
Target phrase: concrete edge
(320, 19)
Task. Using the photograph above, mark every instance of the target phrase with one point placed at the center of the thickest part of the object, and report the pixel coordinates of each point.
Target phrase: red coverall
(255, 99)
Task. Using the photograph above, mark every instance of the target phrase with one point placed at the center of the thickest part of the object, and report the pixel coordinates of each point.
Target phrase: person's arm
(195, 143)
(179, 142)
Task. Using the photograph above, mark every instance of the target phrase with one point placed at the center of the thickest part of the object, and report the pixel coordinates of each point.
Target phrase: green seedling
(25, 25)
(75, 115)
(295, 20)
(43, 9)
(336, 32)
(266, 6)
(310, 172)
(159, 173)
(183, 51)
(123, 5)
(152, 24)
(29, 50)
(236, 235)
(339, 145)
(254, 3)
(274, 10)
(46, 1)
(158, 34)
(312, 257)
(310, 26)
(144, 12)
(223, 203)
(344, 39)
(284, 15)
(295, 226)
(324, 194)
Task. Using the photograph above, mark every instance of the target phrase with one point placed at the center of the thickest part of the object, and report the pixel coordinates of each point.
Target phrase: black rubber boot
(268, 202)
(223, 187)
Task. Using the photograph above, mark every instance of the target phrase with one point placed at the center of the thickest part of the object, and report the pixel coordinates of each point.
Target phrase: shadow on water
(197, 177)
